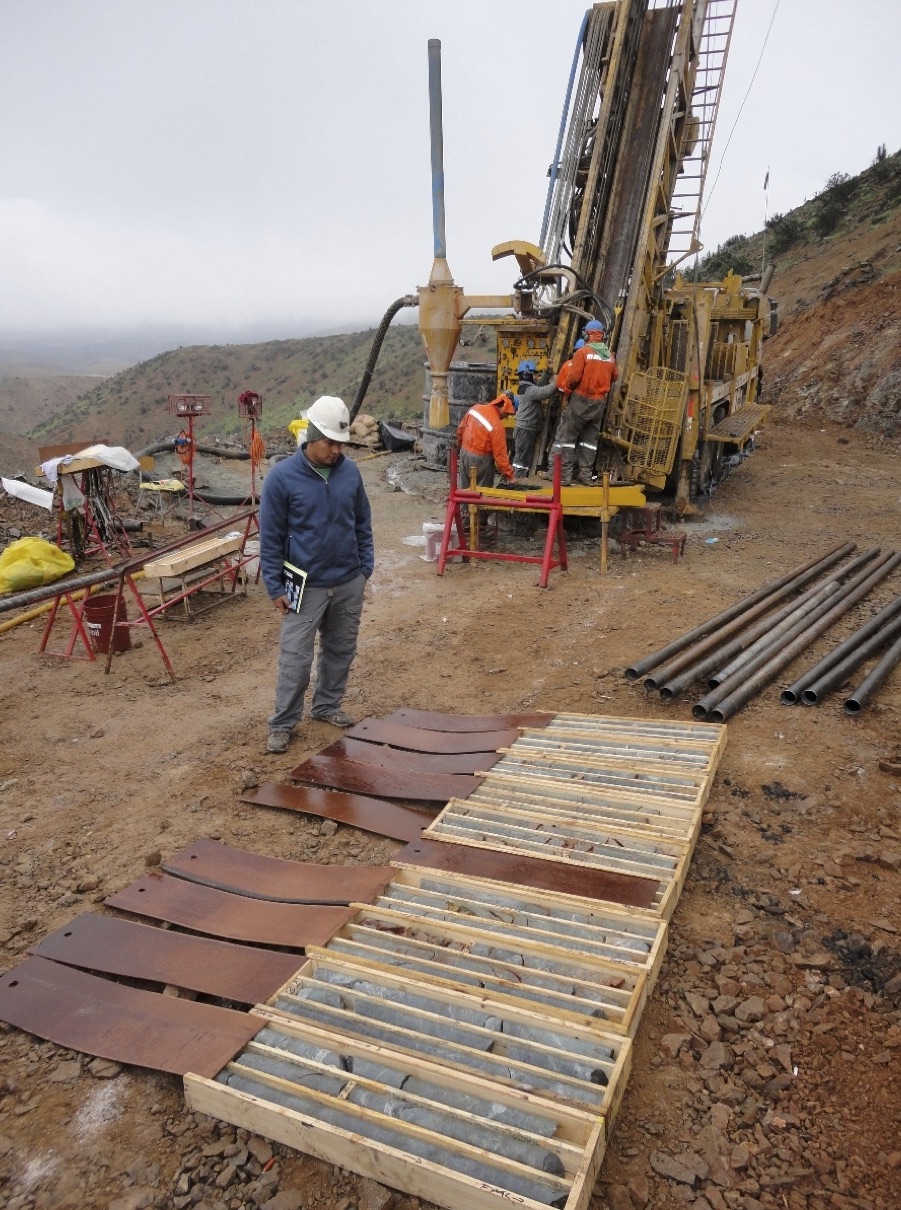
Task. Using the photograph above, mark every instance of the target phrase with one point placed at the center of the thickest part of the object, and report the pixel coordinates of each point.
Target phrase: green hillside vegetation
(131, 408)
(844, 203)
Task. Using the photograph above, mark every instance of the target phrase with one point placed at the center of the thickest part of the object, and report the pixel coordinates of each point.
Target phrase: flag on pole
(766, 180)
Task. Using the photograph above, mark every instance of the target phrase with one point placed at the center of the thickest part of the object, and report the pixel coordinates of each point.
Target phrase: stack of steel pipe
(744, 647)
(731, 694)
(838, 665)
(865, 690)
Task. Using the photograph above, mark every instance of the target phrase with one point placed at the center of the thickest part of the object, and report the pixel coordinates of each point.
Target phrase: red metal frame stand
(459, 498)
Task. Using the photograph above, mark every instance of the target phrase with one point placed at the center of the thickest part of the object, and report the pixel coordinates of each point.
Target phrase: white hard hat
(331, 417)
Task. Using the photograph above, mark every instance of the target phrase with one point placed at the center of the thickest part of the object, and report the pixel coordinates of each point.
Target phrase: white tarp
(24, 491)
(117, 457)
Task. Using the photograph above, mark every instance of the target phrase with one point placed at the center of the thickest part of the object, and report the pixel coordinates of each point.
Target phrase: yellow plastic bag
(31, 563)
(298, 429)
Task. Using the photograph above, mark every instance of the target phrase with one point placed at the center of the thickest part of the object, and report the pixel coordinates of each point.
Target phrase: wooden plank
(95, 942)
(541, 973)
(365, 753)
(577, 838)
(509, 1046)
(47, 453)
(515, 916)
(532, 778)
(213, 864)
(348, 1149)
(431, 720)
(195, 555)
(546, 875)
(647, 821)
(370, 814)
(653, 787)
(220, 914)
(572, 1124)
(86, 1013)
(418, 739)
(383, 783)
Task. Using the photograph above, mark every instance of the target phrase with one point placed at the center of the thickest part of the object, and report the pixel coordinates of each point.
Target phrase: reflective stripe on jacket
(481, 431)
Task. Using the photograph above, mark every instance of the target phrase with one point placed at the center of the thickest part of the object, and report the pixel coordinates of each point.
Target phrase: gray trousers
(525, 439)
(333, 613)
(577, 437)
(482, 464)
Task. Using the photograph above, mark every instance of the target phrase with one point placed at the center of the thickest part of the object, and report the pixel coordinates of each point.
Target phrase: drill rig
(622, 215)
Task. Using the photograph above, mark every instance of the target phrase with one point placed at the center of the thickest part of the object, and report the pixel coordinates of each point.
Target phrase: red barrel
(103, 624)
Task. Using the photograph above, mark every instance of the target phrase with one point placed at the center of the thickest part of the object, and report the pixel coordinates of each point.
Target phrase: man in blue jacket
(316, 554)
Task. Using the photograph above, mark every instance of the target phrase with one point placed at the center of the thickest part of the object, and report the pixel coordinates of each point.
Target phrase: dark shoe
(337, 718)
(278, 742)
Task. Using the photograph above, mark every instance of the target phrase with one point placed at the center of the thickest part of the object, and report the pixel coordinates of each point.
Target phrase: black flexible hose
(408, 300)
(166, 445)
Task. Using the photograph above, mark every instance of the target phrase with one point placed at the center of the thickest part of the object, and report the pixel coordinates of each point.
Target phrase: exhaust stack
(440, 302)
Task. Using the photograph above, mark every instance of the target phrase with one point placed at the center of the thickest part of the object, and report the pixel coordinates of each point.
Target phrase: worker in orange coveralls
(482, 442)
(592, 373)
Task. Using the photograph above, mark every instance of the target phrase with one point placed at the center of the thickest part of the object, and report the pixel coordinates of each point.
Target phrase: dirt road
(766, 1068)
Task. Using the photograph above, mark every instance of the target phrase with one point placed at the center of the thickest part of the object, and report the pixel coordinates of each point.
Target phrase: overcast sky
(221, 163)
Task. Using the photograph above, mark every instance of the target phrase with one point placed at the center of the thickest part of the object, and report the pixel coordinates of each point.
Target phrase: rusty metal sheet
(364, 753)
(557, 876)
(94, 1015)
(113, 946)
(370, 814)
(384, 783)
(219, 865)
(206, 910)
(418, 739)
(431, 720)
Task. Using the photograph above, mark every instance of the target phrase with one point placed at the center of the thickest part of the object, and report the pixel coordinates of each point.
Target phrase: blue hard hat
(526, 367)
(580, 344)
(594, 325)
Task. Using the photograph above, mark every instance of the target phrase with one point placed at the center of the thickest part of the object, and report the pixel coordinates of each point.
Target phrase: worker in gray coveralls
(316, 554)
(528, 401)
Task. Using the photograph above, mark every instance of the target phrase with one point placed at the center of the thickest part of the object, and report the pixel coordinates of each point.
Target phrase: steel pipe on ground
(876, 624)
(865, 690)
(685, 650)
(731, 695)
(696, 670)
(719, 651)
(634, 671)
(816, 691)
(807, 611)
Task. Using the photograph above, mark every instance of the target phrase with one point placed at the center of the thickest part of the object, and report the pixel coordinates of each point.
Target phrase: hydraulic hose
(166, 445)
(408, 300)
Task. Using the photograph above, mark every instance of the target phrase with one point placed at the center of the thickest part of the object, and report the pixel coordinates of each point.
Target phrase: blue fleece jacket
(323, 526)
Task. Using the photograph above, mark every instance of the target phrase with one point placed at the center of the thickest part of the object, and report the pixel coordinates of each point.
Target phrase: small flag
(766, 180)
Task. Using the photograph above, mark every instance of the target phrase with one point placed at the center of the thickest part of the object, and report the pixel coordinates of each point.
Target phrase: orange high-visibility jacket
(591, 374)
(563, 377)
(481, 431)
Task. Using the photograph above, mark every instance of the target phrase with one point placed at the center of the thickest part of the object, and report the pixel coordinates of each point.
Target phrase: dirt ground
(765, 1071)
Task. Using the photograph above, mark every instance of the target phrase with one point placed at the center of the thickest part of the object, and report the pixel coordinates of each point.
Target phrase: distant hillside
(26, 402)
(131, 408)
(837, 283)
(838, 286)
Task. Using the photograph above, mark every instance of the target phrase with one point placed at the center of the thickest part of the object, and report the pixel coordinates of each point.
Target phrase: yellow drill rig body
(622, 215)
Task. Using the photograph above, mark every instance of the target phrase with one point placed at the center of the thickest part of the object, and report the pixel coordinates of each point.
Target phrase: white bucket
(433, 531)
(252, 566)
